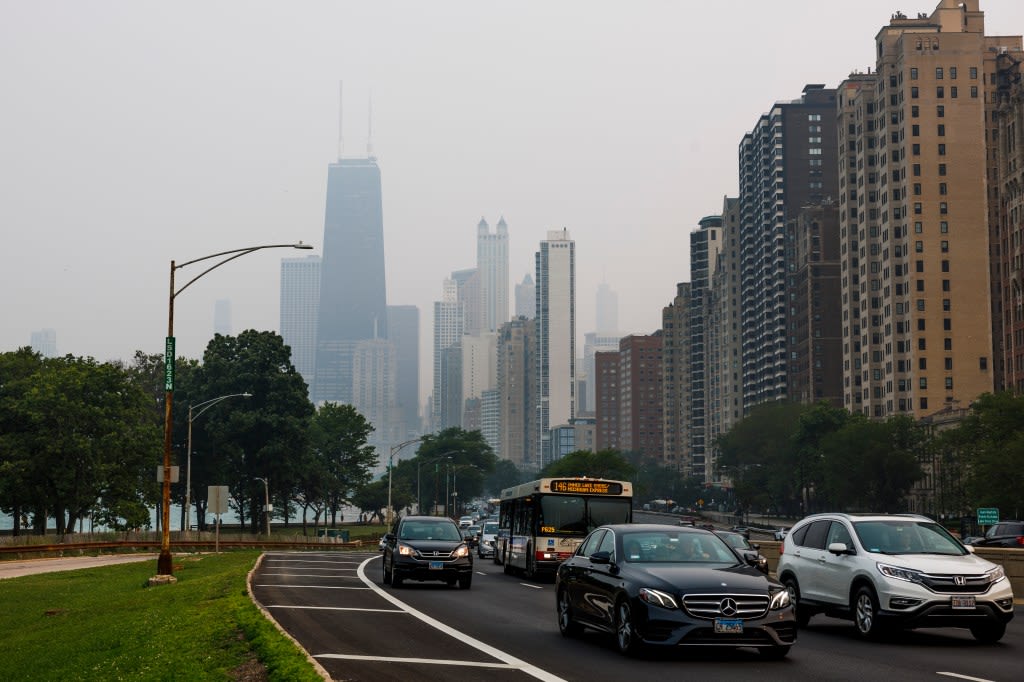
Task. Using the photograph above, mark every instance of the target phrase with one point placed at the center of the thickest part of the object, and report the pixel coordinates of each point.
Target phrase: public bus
(541, 523)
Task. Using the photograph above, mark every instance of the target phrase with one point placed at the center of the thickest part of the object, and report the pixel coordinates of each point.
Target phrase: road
(504, 628)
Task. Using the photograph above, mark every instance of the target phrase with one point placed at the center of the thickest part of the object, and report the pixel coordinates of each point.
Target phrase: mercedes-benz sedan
(659, 585)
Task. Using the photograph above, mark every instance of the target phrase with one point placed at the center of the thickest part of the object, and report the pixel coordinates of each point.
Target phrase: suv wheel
(396, 577)
(465, 581)
(387, 574)
(566, 625)
(803, 614)
(865, 613)
(989, 633)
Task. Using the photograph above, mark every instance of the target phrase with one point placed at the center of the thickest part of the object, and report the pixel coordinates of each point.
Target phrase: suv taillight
(1020, 540)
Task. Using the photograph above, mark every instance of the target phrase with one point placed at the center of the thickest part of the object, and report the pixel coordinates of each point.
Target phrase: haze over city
(138, 133)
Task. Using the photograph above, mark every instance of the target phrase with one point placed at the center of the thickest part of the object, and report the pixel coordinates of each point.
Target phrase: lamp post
(395, 449)
(266, 501)
(455, 492)
(188, 467)
(164, 567)
(419, 496)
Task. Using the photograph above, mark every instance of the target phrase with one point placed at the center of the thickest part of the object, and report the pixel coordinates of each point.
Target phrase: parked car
(1002, 534)
(659, 585)
(899, 570)
(751, 553)
(427, 548)
(488, 533)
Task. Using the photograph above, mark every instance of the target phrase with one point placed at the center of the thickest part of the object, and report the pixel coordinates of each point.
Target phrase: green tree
(608, 463)
(992, 440)
(19, 491)
(265, 436)
(451, 460)
(813, 426)
(505, 475)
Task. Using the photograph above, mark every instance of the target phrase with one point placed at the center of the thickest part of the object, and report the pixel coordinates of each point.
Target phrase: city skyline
(141, 154)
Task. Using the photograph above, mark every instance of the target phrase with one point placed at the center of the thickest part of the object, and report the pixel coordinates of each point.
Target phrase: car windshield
(901, 536)
(667, 547)
(429, 530)
(490, 528)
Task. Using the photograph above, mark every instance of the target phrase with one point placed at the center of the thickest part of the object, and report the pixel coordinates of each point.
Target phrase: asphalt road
(504, 628)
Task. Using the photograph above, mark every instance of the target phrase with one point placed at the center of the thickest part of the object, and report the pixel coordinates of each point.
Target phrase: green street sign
(169, 364)
(988, 516)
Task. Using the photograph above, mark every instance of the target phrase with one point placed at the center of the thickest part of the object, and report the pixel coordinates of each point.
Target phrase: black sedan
(749, 552)
(427, 548)
(660, 585)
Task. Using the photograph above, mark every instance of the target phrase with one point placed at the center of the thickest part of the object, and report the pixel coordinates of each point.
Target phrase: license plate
(436, 565)
(728, 626)
(963, 602)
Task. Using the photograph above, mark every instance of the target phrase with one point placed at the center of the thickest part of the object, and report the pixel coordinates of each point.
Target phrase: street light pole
(395, 449)
(455, 493)
(419, 496)
(188, 467)
(266, 501)
(164, 566)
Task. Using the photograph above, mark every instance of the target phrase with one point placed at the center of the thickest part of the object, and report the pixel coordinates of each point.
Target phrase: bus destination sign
(583, 487)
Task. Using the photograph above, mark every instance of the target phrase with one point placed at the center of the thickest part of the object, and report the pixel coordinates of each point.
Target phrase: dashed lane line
(507, 658)
(964, 677)
(435, 661)
(333, 608)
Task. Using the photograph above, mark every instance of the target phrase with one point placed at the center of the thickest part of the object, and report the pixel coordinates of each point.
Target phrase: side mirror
(600, 558)
(838, 548)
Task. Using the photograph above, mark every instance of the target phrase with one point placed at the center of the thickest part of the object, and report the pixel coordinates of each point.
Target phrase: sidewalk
(22, 567)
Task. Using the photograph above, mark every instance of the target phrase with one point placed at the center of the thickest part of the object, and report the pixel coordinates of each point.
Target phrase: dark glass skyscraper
(353, 297)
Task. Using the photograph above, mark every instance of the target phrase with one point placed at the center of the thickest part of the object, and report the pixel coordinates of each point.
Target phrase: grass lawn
(106, 624)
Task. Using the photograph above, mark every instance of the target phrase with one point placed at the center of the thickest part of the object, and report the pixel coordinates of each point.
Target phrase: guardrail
(80, 548)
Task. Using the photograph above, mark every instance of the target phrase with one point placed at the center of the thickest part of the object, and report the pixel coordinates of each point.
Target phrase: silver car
(485, 546)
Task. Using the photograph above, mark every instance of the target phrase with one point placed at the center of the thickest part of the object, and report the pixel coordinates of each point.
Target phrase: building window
(943, 189)
(942, 169)
(942, 130)
(917, 208)
(953, 92)
(944, 245)
(940, 111)
(913, 73)
(917, 170)
(949, 383)
(919, 285)
(983, 363)
(943, 227)
(945, 266)
(942, 149)
(952, 73)
(922, 382)
(940, 92)
(949, 364)
(918, 228)
(923, 404)
(945, 285)
(974, 91)
(947, 324)
(917, 189)
(922, 363)
(915, 130)
(920, 304)
(943, 208)
(919, 246)
(973, 71)
(915, 149)
(938, 73)
(913, 92)
(919, 266)
(945, 304)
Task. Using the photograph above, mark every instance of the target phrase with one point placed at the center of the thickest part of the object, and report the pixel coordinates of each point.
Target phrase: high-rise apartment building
(353, 298)
(517, 381)
(449, 321)
(1009, 231)
(404, 334)
(608, 396)
(705, 243)
(44, 342)
(593, 342)
(641, 417)
(786, 162)
(526, 298)
(556, 334)
(492, 264)
(915, 177)
(300, 311)
(676, 377)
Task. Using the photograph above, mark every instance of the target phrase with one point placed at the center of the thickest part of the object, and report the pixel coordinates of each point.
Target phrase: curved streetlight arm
(213, 401)
(233, 253)
(395, 449)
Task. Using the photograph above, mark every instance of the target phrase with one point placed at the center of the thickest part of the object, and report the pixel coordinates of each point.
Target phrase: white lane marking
(329, 563)
(532, 587)
(318, 575)
(462, 637)
(436, 661)
(964, 677)
(312, 587)
(332, 608)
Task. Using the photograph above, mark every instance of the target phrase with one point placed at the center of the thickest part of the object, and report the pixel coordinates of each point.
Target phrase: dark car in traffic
(654, 585)
(427, 548)
(1002, 534)
(748, 551)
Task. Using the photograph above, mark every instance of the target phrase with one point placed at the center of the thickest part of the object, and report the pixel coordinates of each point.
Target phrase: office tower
(593, 342)
(222, 317)
(815, 323)
(1010, 238)
(526, 298)
(374, 369)
(299, 312)
(787, 161)
(607, 410)
(467, 288)
(404, 334)
(44, 342)
(724, 390)
(449, 323)
(676, 377)
(490, 416)
(479, 368)
(705, 242)
(915, 215)
(492, 264)
(353, 299)
(556, 333)
(607, 311)
(517, 393)
(641, 415)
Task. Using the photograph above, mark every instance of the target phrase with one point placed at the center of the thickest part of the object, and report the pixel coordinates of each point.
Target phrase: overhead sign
(585, 487)
(988, 516)
(169, 364)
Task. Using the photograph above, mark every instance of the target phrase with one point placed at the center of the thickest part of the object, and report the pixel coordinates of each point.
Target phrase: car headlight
(779, 600)
(658, 598)
(406, 550)
(462, 550)
(899, 573)
(996, 574)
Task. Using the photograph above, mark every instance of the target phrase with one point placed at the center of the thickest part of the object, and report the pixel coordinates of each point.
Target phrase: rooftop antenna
(341, 102)
(369, 133)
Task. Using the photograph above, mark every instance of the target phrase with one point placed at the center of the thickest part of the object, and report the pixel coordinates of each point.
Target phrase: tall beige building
(914, 163)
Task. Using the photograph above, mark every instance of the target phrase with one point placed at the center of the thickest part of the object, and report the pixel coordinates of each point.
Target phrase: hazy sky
(133, 133)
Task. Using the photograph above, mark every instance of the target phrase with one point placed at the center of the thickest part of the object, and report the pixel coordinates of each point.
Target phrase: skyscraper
(526, 298)
(353, 298)
(299, 311)
(404, 333)
(44, 342)
(449, 321)
(556, 334)
(492, 264)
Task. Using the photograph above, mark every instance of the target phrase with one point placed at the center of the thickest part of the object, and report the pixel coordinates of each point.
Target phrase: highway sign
(988, 516)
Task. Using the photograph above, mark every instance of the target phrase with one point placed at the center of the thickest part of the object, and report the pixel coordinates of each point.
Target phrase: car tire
(396, 577)
(566, 625)
(465, 581)
(803, 614)
(626, 639)
(774, 653)
(387, 574)
(989, 633)
(865, 613)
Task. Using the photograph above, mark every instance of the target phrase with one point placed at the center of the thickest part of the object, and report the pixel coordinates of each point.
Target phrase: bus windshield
(575, 515)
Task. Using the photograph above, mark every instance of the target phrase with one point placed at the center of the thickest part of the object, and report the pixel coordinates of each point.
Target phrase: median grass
(107, 624)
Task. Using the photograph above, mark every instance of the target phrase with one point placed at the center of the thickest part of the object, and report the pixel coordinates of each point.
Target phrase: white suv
(902, 570)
